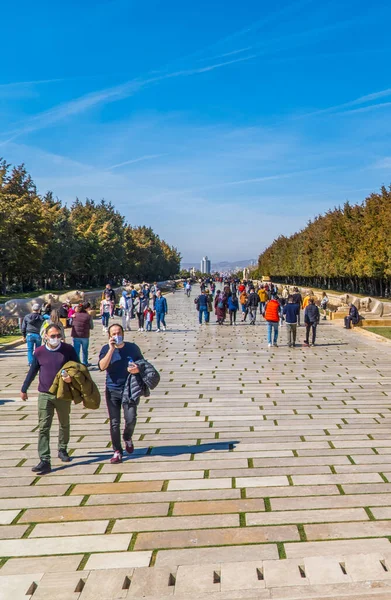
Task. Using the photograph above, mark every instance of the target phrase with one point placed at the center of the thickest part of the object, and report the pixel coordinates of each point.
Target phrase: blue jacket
(233, 304)
(291, 312)
(161, 305)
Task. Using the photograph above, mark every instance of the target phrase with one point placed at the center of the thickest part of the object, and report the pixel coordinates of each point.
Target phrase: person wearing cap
(31, 329)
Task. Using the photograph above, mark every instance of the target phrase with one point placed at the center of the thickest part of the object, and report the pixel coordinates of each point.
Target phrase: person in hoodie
(233, 305)
(311, 320)
(161, 309)
(126, 305)
(31, 331)
(202, 305)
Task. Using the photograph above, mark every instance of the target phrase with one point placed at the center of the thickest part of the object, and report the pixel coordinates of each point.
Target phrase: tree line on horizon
(347, 249)
(46, 244)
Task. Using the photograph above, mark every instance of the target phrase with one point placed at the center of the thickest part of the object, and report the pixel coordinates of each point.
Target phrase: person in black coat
(352, 317)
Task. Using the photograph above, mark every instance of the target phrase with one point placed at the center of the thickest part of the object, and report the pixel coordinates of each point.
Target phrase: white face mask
(54, 343)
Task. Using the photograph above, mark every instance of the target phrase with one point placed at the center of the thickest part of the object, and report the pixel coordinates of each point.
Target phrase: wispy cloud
(364, 108)
(356, 102)
(135, 160)
(105, 96)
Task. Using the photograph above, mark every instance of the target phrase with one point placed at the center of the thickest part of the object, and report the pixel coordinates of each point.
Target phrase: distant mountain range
(223, 265)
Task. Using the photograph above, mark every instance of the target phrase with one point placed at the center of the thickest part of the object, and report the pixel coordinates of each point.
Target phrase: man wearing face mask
(48, 360)
(118, 359)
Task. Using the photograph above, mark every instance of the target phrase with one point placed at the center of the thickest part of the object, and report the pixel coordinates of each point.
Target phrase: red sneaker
(117, 458)
(129, 446)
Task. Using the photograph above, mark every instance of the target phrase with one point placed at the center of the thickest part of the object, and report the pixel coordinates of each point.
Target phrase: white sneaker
(157, 330)
(269, 345)
(142, 329)
(164, 329)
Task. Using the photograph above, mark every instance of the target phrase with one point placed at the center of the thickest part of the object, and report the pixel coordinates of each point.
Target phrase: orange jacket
(272, 312)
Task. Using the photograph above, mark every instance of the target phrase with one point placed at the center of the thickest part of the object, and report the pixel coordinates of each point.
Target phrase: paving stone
(203, 484)
(325, 569)
(241, 576)
(7, 516)
(336, 548)
(8, 532)
(348, 530)
(307, 516)
(156, 582)
(198, 578)
(118, 560)
(64, 545)
(169, 523)
(156, 497)
(15, 587)
(108, 584)
(62, 586)
(216, 507)
(261, 481)
(117, 488)
(82, 513)
(47, 564)
(285, 573)
(220, 554)
(215, 537)
(68, 529)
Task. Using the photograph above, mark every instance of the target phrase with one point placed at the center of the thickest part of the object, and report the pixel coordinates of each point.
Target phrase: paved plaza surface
(258, 473)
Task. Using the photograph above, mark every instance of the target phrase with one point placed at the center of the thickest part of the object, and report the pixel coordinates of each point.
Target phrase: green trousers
(47, 403)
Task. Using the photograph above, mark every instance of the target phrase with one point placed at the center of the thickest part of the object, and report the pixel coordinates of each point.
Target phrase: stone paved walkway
(259, 473)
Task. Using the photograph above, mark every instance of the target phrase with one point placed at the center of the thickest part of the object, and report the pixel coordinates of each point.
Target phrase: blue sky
(220, 124)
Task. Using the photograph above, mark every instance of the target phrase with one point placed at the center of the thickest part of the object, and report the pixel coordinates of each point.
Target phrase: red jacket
(272, 312)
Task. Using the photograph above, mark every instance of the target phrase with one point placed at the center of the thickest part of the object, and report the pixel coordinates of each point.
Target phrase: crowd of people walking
(250, 299)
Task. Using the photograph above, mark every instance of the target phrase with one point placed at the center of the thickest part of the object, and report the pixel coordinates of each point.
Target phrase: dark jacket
(252, 300)
(32, 323)
(291, 312)
(297, 298)
(311, 314)
(81, 325)
(353, 314)
(202, 302)
(140, 384)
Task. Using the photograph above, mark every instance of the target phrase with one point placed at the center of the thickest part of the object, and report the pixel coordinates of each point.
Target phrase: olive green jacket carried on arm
(81, 389)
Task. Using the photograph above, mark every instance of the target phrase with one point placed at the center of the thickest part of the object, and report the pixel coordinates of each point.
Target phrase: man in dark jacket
(311, 319)
(118, 359)
(48, 360)
(291, 311)
(31, 327)
(161, 309)
(352, 317)
(252, 304)
(297, 299)
(202, 307)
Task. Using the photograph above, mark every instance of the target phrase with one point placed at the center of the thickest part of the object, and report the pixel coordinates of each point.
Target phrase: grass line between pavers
(384, 478)
(83, 561)
(165, 486)
(85, 500)
(28, 531)
(369, 513)
(117, 478)
(268, 506)
(132, 542)
(21, 462)
(70, 489)
(110, 526)
(242, 519)
(281, 551)
(98, 469)
(171, 507)
(341, 490)
(18, 516)
(302, 533)
(290, 480)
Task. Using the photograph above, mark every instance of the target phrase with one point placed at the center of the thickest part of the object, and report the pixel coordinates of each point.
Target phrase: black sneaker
(64, 456)
(42, 468)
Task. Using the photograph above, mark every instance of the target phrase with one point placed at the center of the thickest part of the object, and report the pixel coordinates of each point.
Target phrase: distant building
(205, 265)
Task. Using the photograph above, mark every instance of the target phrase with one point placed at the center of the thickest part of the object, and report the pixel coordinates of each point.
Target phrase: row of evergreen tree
(348, 248)
(45, 244)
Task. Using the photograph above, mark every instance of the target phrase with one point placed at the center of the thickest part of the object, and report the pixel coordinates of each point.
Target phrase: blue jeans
(105, 320)
(82, 343)
(160, 319)
(272, 325)
(149, 326)
(205, 312)
(33, 342)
